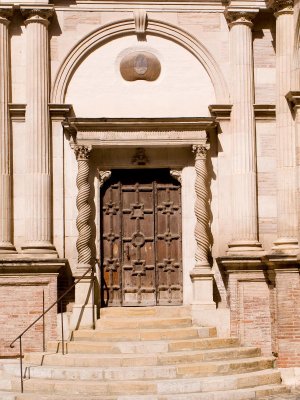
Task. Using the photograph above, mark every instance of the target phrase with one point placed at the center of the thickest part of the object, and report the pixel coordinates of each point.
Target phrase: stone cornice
(17, 111)
(58, 112)
(29, 265)
(139, 132)
(265, 111)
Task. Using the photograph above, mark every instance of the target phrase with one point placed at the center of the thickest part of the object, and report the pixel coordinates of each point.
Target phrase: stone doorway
(141, 239)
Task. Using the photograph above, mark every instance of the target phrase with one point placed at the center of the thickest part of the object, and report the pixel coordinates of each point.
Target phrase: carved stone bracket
(176, 174)
(140, 20)
(103, 177)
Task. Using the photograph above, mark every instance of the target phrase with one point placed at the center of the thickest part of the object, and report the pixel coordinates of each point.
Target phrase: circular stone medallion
(140, 65)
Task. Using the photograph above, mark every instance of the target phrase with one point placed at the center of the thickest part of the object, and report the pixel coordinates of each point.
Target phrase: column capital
(200, 151)
(39, 14)
(240, 16)
(282, 7)
(82, 152)
(6, 13)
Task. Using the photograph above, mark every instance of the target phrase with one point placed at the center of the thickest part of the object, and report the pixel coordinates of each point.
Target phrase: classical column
(244, 193)
(83, 206)
(6, 245)
(201, 274)
(38, 185)
(287, 224)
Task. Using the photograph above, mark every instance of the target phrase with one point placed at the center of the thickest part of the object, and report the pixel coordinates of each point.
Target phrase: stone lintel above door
(150, 132)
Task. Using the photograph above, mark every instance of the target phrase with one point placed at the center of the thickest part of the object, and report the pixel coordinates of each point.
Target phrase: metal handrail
(19, 337)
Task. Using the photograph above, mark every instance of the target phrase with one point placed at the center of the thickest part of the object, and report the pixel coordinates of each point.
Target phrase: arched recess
(127, 27)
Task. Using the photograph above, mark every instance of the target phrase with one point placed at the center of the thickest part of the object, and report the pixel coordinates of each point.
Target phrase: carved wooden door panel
(141, 239)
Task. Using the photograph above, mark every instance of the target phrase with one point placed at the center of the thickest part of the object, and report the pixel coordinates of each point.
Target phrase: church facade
(158, 141)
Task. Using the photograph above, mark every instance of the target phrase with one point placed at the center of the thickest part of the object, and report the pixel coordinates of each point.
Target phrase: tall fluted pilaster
(245, 235)
(38, 209)
(201, 205)
(83, 206)
(287, 224)
(6, 245)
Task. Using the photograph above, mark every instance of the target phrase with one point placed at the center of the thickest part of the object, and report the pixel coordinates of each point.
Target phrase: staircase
(150, 353)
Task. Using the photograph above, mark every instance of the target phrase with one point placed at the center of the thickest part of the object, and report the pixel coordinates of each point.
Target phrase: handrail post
(44, 340)
(62, 329)
(21, 364)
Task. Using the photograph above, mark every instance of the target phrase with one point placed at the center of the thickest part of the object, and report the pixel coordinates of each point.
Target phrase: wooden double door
(141, 239)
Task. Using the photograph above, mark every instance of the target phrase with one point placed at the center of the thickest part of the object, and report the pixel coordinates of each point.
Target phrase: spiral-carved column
(201, 205)
(201, 275)
(83, 206)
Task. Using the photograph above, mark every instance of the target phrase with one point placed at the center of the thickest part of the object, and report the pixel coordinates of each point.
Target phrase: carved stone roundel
(140, 65)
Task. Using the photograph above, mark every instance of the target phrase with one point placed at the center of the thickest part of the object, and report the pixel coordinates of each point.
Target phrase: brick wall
(20, 303)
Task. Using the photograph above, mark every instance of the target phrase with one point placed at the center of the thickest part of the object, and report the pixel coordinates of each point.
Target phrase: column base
(242, 247)
(202, 279)
(39, 249)
(286, 245)
(7, 248)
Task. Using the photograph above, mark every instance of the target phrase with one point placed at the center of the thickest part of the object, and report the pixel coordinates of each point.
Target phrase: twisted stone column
(38, 185)
(6, 245)
(201, 206)
(245, 235)
(83, 206)
(287, 224)
(201, 275)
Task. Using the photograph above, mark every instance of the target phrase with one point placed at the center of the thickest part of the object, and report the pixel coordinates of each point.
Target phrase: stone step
(157, 387)
(142, 323)
(144, 334)
(239, 394)
(138, 347)
(116, 360)
(200, 369)
(145, 312)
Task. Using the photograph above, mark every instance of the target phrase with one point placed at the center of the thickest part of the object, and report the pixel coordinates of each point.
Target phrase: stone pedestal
(287, 221)
(6, 220)
(38, 185)
(244, 195)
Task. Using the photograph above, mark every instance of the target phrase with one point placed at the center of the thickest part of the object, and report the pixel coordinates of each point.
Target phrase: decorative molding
(82, 153)
(103, 177)
(176, 174)
(125, 27)
(60, 111)
(265, 111)
(17, 112)
(140, 20)
(220, 111)
(139, 157)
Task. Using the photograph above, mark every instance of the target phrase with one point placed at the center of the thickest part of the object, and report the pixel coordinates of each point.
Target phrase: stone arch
(127, 27)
